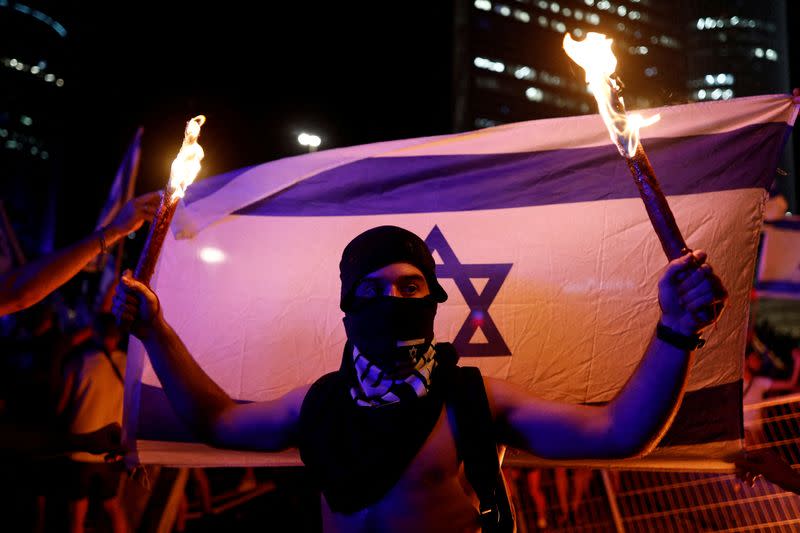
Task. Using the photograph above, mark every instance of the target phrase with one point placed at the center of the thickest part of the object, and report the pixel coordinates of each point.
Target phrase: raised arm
(32, 282)
(635, 420)
(199, 402)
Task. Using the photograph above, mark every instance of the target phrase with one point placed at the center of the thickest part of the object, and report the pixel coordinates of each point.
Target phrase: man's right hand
(137, 305)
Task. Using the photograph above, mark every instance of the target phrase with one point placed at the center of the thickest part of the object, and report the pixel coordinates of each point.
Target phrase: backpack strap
(478, 449)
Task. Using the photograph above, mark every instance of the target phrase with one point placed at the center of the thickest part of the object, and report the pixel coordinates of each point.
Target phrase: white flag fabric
(779, 261)
(542, 243)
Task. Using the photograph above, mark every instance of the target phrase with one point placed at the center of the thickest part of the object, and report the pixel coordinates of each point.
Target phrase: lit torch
(183, 172)
(594, 55)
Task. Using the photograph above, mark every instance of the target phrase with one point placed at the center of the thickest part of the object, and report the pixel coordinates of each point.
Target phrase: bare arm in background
(32, 282)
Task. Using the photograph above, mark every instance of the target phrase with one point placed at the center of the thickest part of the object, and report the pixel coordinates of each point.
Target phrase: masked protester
(400, 438)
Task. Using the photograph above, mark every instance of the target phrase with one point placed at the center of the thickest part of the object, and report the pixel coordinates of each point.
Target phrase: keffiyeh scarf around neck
(375, 387)
(356, 454)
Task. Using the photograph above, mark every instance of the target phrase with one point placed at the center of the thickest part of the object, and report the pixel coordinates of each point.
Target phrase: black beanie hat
(382, 246)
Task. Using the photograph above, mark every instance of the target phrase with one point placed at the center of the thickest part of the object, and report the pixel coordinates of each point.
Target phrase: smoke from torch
(184, 170)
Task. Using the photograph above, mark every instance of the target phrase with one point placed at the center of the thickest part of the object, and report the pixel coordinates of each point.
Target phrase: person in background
(92, 398)
(756, 388)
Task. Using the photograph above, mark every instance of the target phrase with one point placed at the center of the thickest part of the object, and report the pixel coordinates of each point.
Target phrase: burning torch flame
(594, 56)
(187, 163)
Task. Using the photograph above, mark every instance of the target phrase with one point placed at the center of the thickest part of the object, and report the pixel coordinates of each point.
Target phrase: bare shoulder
(504, 395)
(269, 425)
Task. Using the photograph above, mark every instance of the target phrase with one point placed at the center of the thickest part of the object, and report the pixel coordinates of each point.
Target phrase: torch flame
(187, 162)
(594, 56)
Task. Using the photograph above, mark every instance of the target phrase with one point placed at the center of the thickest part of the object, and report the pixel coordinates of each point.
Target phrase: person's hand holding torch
(594, 55)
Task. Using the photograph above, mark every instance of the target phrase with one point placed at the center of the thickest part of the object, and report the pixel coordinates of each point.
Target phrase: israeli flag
(542, 243)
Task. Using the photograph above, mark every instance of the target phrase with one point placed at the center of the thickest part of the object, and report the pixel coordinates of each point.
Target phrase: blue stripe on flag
(787, 287)
(788, 223)
(743, 158)
(207, 187)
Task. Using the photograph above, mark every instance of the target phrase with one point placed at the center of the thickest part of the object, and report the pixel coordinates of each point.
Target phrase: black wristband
(679, 340)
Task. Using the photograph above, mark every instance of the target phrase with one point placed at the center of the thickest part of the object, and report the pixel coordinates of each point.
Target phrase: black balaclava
(384, 328)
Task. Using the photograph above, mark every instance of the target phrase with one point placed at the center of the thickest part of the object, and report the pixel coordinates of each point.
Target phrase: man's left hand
(691, 295)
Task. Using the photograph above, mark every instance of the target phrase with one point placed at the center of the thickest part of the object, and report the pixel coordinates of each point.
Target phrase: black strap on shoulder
(478, 449)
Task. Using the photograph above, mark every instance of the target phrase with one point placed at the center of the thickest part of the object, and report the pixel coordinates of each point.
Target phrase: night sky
(352, 72)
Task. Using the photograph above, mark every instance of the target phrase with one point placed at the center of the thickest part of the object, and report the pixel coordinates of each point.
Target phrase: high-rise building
(510, 64)
(739, 48)
(32, 106)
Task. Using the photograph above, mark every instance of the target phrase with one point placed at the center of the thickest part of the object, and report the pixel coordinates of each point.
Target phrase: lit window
(488, 64)
(727, 94)
(555, 8)
(12, 63)
(622, 11)
(542, 21)
(20, 66)
(485, 123)
(603, 4)
(578, 14)
(734, 21)
(567, 12)
(26, 120)
(701, 94)
(701, 24)
(524, 73)
(710, 23)
(534, 94)
(650, 72)
(550, 79)
(34, 70)
(485, 5)
(634, 15)
(716, 94)
(59, 82)
(593, 18)
(759, 52)
(709, 79)
(578, 32)
(542, 4)
(771, 54)
(561, 27)
(589, 2)
(49, 77)
(522, 16)
(503, 10)
(729, 79)
(720, 78)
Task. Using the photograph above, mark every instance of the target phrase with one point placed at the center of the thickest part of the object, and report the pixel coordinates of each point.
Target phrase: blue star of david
(478, 304)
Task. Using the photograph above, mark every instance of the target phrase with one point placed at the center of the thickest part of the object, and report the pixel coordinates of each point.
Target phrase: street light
(309, 140)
